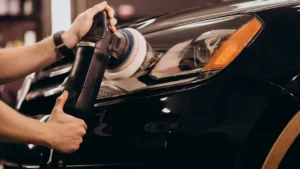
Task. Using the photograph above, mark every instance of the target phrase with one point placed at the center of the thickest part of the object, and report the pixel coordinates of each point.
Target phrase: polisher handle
(100, 28)
(91, 60)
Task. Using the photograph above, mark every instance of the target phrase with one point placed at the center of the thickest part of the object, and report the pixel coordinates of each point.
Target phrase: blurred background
(24, 22)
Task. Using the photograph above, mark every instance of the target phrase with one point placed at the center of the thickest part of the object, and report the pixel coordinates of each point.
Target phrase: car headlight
(180, 55)
(187, 53)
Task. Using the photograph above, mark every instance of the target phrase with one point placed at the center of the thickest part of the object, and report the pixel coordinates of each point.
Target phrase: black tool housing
(91, 60)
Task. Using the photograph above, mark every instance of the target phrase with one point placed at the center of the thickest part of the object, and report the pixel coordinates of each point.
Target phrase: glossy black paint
(229, 121)
(211, 11)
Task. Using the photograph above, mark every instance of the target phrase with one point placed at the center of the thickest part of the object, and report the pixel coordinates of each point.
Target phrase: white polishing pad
(133, 62)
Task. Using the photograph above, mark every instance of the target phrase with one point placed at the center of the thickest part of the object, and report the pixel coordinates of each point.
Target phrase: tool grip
(85, 81)
(100, 28)
(91, 60)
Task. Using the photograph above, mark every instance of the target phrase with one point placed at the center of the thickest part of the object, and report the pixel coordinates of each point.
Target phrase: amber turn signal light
(231, 48)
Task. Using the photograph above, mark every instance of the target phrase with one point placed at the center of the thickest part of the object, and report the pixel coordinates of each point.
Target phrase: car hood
(206, 12)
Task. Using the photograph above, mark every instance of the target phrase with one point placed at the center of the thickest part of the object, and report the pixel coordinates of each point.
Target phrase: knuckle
(83, 132)
(87, 15)
(112, 21)
(75, 147)
(59, 99)
(81, 15)
(82, 122)
(98, 7)
(115, 21)
(112, 12)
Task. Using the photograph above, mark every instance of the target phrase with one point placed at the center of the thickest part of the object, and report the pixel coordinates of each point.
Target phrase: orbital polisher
(102, 54)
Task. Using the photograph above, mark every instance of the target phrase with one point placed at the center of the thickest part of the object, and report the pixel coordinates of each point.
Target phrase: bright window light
(61, 15)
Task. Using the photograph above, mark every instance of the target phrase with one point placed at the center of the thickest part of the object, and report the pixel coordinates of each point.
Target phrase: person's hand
(83, 23)
(65, 131)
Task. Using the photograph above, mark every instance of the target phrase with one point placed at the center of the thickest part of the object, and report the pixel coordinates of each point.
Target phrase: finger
(82, 124)
(113, 28)
(80, 140)
(101, 7)
(75, 148)
(110, 11)
(85, 126)
(98, 8)
(113, 21)
(61, 100)
(82, 131)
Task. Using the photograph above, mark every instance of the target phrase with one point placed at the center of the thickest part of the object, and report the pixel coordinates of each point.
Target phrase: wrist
(46, 135)
(69, 39)
(65, 43)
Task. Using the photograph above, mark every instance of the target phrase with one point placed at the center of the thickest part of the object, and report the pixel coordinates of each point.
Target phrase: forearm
(16, 63)
(15, 127)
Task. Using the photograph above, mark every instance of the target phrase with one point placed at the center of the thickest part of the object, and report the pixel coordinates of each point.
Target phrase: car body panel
(197, 14)
(221, 126)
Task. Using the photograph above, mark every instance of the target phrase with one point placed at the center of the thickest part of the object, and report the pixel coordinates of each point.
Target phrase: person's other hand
(83, 23)
(65, 131)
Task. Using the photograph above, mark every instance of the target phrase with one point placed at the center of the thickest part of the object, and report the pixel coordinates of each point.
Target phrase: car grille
(50, 82)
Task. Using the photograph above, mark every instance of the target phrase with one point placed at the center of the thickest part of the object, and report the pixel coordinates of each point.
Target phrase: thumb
(61, 100)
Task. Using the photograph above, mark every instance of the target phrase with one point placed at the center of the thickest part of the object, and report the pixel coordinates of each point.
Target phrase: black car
(220, 84)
